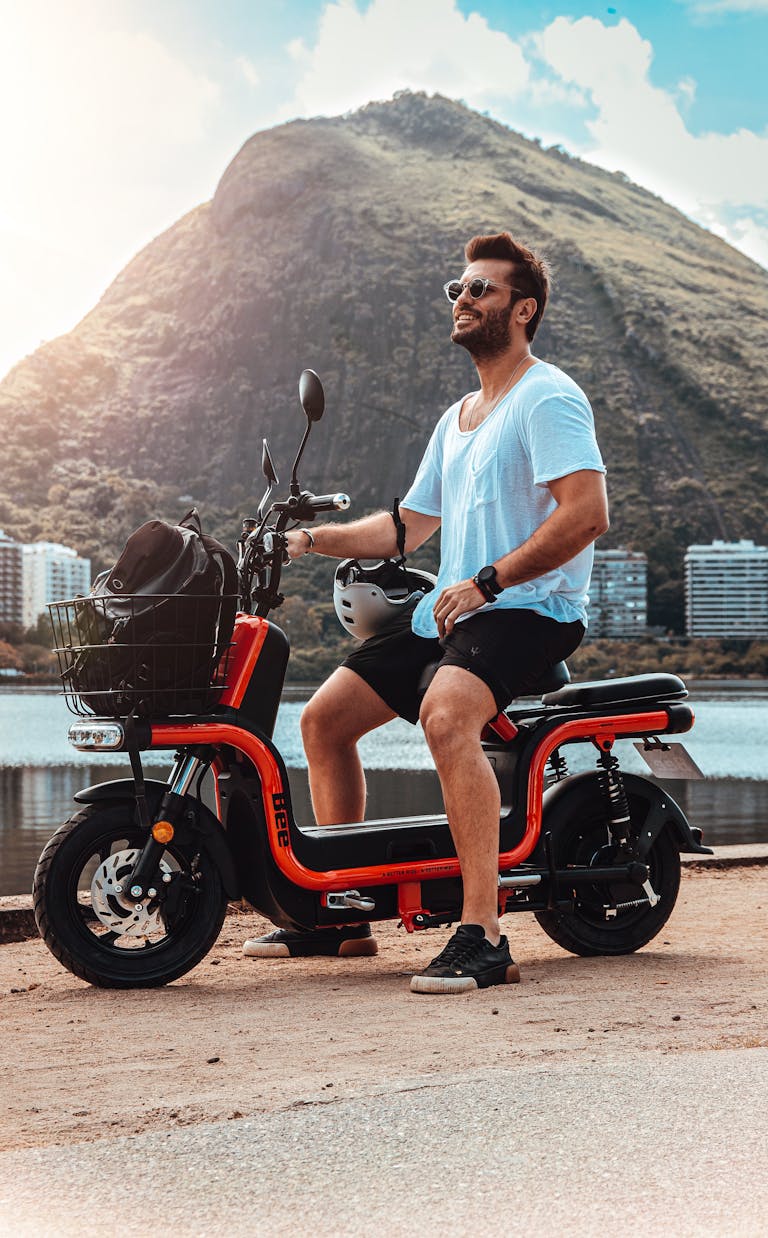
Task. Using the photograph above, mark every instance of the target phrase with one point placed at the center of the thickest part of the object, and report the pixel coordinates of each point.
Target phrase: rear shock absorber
(612, 786)
(556, 768)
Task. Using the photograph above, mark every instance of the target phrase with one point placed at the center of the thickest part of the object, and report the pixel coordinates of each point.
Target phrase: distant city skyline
(726, 587)
(32, 574)
(119, 116)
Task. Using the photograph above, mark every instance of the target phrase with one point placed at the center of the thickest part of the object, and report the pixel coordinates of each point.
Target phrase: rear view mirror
(311, 395)
(267, 467)
(312, 399)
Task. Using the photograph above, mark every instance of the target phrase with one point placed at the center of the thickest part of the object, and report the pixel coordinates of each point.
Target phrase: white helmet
(368, 598)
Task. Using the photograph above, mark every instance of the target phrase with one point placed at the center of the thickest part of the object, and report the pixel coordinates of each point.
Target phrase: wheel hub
(112, 902)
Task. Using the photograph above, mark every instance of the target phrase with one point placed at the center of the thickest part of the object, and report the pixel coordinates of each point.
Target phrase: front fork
(188, 767)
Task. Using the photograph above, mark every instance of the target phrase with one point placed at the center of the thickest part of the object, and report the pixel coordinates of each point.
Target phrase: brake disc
(113, 904)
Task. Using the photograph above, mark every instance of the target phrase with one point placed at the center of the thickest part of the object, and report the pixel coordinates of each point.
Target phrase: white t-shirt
(488, 486)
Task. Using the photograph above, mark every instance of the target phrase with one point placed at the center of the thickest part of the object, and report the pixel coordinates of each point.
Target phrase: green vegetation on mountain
(326, 245)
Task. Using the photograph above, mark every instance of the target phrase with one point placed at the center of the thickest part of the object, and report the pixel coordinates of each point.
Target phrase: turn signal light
(162, 831)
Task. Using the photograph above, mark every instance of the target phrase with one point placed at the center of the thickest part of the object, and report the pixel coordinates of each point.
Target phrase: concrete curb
(17, 920)
(743, 855)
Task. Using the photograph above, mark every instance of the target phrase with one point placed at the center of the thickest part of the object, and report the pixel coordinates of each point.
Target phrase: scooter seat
(558, 676)
(610, 691)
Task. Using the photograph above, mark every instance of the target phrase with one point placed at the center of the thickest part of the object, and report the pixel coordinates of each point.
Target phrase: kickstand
(551, 869)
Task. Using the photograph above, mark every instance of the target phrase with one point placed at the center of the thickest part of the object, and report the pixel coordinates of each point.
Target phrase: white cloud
(398, 44)
(745, 233)
(101, 126)
(93, 97)
(639, 130)
(751, 238)
(248, 70)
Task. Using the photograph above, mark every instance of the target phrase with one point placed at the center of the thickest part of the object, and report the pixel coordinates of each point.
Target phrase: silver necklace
(527, 357)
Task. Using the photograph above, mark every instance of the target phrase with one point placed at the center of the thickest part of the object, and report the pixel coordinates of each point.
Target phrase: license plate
(669, 761)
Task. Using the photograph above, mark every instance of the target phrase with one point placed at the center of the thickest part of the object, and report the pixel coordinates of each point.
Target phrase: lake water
(39, 772)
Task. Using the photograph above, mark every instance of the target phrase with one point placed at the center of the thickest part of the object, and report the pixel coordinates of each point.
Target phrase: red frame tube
(247, 640)
(171, 735)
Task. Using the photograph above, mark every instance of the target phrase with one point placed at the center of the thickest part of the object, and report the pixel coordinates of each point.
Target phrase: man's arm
(372, 537)
(581, 516)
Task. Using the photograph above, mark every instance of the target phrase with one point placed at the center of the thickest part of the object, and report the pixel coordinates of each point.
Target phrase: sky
(119, 116)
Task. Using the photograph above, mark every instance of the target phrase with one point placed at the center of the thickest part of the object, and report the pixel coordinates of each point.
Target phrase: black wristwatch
(487, 583)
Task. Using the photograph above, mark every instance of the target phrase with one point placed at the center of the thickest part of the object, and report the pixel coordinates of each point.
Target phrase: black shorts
(510, 650)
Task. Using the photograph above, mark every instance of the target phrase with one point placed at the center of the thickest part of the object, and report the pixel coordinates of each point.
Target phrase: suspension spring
(612, 786)
(611, 912)
(557, 766)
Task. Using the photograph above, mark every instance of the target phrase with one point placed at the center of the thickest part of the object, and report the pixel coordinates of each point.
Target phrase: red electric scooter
(133, 889)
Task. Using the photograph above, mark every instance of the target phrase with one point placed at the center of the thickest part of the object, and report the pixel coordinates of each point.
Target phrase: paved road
(652, 1143)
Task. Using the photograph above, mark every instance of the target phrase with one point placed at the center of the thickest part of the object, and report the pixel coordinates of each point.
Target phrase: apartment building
(726, 590)
(52, 573)
(618, 594)
(11, 598)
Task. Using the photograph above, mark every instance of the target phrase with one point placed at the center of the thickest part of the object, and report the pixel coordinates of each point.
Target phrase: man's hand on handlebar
(371, 537)
(297, 543)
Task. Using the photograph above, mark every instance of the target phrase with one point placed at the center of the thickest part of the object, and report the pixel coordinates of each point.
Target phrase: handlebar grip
(328, 502)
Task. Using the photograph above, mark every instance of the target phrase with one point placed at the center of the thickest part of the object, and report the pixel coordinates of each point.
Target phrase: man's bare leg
(341, 711)
(332, 722)
(455, 709)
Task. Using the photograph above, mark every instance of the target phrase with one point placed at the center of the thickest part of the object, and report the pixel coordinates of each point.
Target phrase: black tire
(98, 836)
(585, 840)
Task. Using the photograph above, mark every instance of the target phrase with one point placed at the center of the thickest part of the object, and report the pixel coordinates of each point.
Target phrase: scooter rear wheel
(601, 922)
(91, 924)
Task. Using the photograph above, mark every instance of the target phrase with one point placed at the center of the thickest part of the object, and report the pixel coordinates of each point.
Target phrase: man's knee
(440, 725)
(340, 712)
(454, 711)
(317, 719)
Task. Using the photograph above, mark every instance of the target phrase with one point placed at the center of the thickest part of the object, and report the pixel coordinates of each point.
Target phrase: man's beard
(486, 339)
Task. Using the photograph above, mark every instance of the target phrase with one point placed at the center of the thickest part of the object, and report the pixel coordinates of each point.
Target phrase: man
(513, 478)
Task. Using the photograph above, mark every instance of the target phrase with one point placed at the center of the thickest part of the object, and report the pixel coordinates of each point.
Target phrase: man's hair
(531, 272)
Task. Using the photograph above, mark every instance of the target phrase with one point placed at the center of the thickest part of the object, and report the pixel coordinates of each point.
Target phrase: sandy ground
(238, 1037)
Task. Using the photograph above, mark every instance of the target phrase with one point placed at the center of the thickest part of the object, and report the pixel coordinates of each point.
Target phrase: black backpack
(153, 631)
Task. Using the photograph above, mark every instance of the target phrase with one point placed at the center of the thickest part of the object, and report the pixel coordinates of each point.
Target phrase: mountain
(326, 244)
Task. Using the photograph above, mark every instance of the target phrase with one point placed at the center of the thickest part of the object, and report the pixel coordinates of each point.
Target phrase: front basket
(156, 655)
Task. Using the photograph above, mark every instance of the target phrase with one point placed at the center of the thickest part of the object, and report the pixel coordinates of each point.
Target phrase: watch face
(487, 581)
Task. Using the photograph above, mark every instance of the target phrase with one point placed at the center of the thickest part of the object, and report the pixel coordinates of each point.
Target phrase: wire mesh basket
(154, 655)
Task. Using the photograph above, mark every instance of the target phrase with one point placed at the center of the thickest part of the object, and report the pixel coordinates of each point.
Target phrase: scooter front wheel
(91, 924)
(610, 917)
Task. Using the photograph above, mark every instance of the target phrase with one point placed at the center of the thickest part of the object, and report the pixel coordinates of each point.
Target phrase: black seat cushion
(630, 688)
(556, 677)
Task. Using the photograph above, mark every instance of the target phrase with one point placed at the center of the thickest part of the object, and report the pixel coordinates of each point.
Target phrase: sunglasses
(476, 287)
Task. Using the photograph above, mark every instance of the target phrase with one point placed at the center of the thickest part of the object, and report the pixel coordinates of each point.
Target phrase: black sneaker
(469, 961)
(345, 942)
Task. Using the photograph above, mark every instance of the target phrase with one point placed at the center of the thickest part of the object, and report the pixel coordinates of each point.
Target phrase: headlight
(96, 736)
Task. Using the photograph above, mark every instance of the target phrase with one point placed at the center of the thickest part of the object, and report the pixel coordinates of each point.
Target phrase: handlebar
(263, 549)
(329, 502)
(305, 506)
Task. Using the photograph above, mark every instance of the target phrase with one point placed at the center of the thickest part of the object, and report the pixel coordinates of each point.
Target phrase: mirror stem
(295, 488)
